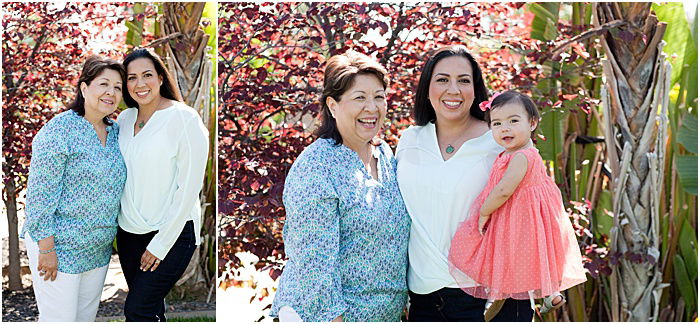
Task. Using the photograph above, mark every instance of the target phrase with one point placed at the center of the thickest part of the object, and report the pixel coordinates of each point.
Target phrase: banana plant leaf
(684, 284)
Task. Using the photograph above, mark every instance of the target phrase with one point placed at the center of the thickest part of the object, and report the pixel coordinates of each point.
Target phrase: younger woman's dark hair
(168, 89)
(514, 97)
(92, 68)
(423, 111)
(338, 77)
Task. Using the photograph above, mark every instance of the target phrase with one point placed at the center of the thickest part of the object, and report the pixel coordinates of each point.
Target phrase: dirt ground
(21, 306)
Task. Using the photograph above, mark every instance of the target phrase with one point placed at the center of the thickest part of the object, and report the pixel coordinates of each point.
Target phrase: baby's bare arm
(517, 167)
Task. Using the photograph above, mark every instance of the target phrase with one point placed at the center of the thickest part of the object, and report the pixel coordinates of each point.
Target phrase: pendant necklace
(450, 149)
(143, 122)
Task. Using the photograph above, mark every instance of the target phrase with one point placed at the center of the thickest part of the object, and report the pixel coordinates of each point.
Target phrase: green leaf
(134, 27)
(683, 283)
(687, 167)
(210, 14)
(552, 127)
(688, 134)
(264, 130)
(544, 24)
(679, 40)
(690, 72)
(603, 222)
(279, 118)
(694, 29)
(257, 63)
(688, 242)
(155, 26)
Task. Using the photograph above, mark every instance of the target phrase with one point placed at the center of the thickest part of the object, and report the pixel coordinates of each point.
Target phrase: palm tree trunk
(635, 100)
(185, 53)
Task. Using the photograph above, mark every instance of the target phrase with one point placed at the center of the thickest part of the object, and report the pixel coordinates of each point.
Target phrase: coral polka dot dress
(529, 249)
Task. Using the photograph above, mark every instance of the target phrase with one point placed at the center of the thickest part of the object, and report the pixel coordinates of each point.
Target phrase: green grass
(192, 319)
(185, 319)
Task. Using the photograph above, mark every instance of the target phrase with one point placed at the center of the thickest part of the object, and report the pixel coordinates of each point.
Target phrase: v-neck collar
(136, 117)
(377, 152)
(435, 146)
(90, 129)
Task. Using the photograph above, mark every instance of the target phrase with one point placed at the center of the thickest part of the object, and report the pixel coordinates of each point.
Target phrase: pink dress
(529, 244)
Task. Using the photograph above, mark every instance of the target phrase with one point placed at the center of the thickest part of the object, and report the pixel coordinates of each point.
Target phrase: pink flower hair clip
(486, 105)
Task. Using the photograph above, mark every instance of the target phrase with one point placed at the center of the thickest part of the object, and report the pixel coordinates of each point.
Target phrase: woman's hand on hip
(149, 261)
(48, 260)
(48, 266)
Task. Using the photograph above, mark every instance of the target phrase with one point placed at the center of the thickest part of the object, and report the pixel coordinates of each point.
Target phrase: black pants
(145, 301)
(454, 305)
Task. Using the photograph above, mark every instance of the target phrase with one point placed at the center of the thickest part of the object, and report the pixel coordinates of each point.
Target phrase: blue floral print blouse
(346, 236)
(73, 191)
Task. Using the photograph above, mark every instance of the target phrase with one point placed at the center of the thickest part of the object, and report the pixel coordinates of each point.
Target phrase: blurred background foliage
(44, 47)
(271, 60)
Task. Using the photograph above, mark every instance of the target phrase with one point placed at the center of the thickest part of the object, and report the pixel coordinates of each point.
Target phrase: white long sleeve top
(165, 165)
(438, 195)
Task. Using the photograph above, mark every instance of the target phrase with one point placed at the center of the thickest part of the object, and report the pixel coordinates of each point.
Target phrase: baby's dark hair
(514, 96)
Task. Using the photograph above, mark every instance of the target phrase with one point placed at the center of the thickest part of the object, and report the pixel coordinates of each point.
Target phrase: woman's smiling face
(451, 91)
(103, 94)
(361, 110)
(143, 81)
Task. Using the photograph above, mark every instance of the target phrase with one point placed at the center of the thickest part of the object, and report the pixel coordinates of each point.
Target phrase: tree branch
(588, 34)
(400, 20)
(165, 39)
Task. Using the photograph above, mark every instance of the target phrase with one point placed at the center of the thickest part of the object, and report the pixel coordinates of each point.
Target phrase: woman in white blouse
(165, 147)
(443, 164)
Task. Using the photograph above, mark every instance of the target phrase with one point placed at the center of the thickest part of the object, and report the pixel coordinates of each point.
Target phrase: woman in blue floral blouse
(76, 178)
(346, 229)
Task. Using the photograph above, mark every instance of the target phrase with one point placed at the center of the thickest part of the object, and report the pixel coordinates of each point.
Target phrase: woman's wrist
(46, 244)
(47, 251)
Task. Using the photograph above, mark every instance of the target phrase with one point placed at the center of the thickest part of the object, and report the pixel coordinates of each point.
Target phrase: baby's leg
(556, 298)
(552, 302)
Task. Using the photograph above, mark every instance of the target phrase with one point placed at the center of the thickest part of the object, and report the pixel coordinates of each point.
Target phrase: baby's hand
(483, 219)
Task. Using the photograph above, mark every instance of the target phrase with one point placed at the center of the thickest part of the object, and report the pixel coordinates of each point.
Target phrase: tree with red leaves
(44, 47)
(271, 60)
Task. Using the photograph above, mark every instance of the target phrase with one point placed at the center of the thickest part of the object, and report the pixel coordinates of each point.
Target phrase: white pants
(71, 297)
(288, 314)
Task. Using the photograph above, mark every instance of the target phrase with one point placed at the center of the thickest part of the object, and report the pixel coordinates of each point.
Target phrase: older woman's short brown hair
(339, 76)
(93, 67)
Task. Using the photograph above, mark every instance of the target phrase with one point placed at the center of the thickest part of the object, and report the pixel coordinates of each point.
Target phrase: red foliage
(43, 49)
(271, 61)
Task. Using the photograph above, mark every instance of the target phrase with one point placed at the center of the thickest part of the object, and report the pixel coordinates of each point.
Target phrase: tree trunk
(14, 267)
(187, 59)
(635, 100)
